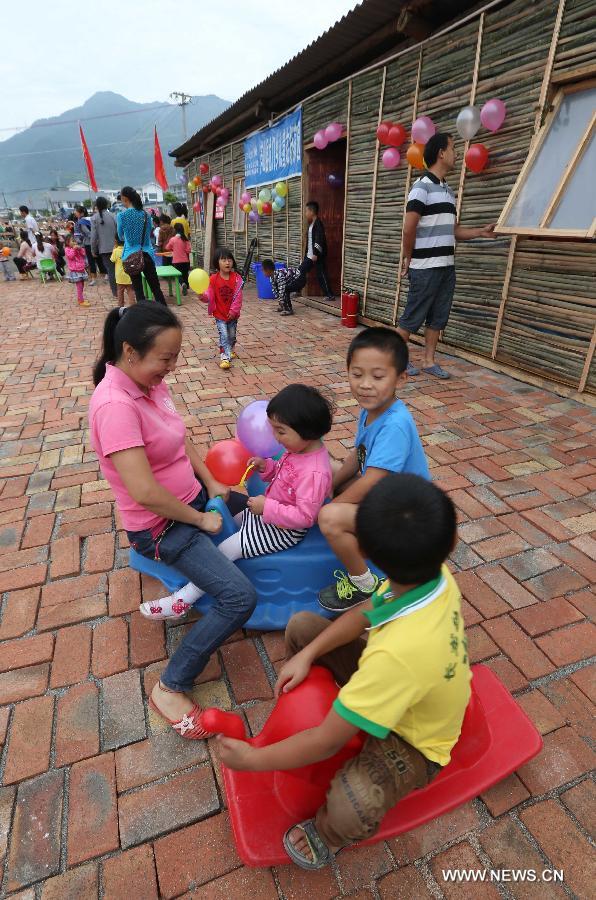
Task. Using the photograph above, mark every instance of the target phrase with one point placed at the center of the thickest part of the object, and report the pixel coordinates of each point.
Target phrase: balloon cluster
(268, 201)
(328, 135)
(470, 118)
(394, 135)
(228, 460)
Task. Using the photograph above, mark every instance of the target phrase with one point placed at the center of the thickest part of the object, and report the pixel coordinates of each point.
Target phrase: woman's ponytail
(108, 347)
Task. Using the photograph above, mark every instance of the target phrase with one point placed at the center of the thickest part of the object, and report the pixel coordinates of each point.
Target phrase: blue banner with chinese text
(275, 153)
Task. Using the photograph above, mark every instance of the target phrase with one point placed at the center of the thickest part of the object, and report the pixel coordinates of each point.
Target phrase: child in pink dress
(299, 483)
(76, 259)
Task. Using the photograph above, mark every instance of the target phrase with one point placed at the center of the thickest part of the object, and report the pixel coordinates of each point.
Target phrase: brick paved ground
(96, 795)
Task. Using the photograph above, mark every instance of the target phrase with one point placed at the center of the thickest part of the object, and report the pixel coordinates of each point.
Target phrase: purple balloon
(253, 216)
(320, 141)
(391, 158)
(423, 129)
(333, 131)
(254, 431)
(492, 114)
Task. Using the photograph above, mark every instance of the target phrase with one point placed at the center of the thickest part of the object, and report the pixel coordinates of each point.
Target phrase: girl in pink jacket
(299, 483)
(76, 259)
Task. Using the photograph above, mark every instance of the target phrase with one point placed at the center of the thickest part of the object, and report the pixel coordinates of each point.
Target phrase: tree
(169, 197)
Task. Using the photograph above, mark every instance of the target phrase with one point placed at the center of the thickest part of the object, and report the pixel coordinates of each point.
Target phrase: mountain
(119, 135)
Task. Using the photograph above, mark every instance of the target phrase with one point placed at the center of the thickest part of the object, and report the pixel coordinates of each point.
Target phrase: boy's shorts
(430, 296)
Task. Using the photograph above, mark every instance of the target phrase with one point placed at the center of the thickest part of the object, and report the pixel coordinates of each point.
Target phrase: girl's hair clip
(122, 310)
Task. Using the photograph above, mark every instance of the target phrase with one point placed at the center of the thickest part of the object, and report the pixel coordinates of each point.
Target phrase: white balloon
(468, 122)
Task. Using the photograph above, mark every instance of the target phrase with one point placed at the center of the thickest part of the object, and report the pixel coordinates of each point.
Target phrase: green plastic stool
(47, 267)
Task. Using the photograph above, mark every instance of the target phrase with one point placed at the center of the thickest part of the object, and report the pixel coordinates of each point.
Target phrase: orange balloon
(415, 156)
(197, 181)
(6, 251)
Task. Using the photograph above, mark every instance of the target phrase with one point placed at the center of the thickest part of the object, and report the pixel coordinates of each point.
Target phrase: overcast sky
(61, 52)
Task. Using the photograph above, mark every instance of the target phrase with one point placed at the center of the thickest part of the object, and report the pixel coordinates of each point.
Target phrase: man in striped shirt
(430, 233)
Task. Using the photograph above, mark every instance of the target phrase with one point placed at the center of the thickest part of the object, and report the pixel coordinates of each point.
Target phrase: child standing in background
(166, 233)
(180, 247)
(123, 282)
(4, 263)
(224, 296)
(76, 258)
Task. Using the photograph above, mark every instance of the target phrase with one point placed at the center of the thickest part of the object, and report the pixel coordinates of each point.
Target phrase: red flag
(88, 162)
(160, 172)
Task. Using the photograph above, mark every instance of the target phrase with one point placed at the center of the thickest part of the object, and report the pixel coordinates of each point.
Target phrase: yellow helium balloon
(247, 207)
(190, 186)
(260, 207)
(281, 189)
(198, 280)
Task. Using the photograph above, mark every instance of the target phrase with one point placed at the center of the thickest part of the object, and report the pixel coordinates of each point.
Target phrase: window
(239, 216)
(555, 193)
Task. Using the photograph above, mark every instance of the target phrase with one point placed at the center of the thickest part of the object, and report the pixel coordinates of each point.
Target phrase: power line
(130, 112)
(76, 147)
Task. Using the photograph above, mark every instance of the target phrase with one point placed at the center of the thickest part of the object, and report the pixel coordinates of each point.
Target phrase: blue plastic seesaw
(286, 582)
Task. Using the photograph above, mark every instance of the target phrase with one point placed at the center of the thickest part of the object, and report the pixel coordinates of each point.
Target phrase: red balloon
(206, 189)
(383, 132)
(476, 157)
(227, 461)
(196, 206)
(214, 189)
(203, 168)
(397, 135)
(267, 209)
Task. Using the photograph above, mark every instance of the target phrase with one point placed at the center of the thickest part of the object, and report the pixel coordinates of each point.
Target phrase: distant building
(151, 193)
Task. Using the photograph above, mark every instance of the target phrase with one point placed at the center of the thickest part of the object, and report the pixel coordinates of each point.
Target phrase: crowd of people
(97, 245)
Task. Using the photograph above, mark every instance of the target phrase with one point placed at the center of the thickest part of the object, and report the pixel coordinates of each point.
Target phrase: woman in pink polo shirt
(154, 470)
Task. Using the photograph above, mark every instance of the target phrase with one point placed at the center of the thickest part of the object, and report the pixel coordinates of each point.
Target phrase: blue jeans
(227, 336)
(193, 553)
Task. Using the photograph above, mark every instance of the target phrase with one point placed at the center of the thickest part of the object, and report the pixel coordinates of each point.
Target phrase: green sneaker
(344, 594)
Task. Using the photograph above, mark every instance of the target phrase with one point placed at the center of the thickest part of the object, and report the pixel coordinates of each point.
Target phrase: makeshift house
(525, 301)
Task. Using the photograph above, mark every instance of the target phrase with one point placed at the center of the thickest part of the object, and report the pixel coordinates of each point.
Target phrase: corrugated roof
(358, 38)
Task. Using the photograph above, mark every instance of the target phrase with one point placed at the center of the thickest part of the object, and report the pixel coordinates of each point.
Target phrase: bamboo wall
(526, 303)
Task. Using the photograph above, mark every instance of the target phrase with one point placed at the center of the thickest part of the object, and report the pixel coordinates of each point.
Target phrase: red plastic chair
(496, 738)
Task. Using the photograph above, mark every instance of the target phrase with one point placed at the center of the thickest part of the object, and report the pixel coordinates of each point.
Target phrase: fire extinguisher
(349, 308)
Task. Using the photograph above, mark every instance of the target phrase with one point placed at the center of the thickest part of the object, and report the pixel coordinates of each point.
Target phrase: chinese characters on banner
(275, 153)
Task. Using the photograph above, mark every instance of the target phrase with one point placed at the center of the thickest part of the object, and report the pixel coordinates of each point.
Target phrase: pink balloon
(246, 198)
(423, 129)
(221, 201)
(196, 206)
(333, 131)
(492, 114)
(216, 180)
(320, 141)
(391, 158)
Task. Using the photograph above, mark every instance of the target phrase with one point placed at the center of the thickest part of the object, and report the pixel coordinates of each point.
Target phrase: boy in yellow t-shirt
(407, 686)
(123, 282)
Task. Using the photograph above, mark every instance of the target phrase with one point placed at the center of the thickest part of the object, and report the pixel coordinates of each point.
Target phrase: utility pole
(182, 100)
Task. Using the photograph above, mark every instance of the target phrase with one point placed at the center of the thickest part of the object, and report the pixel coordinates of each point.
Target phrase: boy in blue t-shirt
(386, 441)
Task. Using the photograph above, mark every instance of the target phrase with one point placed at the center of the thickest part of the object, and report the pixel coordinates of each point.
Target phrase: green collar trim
(386, 606)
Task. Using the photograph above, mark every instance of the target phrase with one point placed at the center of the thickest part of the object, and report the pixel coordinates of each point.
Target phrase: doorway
(326, 170)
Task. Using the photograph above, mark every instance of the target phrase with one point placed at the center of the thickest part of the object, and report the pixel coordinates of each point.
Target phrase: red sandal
(188, 726)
